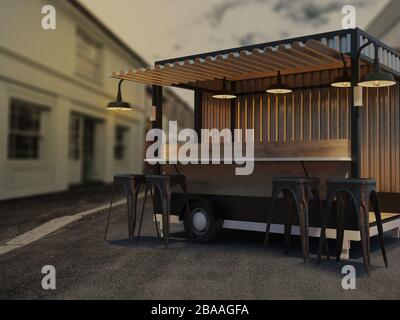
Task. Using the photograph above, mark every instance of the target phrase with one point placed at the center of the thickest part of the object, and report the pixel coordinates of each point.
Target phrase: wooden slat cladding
(320, 114)
(304, 115)
(216, 112)
(380, 147)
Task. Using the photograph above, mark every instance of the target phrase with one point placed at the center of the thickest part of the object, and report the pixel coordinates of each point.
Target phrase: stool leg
(363, 224)
(275, 194)
(288, 224)
(109, 212)
(340, 210)
(324, 225)
(136, 194)
(377, 210)
(366, 208)
(166, 198)
(129, 200)
(164, 221)
(142, 212)
(302, 210)
(168, 212)
(186, 198)
(315, 194)
(154, 212)
(187, 205)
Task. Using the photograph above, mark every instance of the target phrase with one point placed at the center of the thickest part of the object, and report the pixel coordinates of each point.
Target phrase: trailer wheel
(202, 225)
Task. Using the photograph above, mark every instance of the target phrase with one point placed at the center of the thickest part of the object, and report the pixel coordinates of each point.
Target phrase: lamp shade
(279, 87)
(224, 93)
(119, 104)
(342, 82)
(377, 79)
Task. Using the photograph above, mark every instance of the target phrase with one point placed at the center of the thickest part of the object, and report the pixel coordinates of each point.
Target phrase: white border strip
(51, 226)
(313, 231)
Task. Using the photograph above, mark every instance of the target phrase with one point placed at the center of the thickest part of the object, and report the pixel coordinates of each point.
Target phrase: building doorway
(88, 152)
(85, 148)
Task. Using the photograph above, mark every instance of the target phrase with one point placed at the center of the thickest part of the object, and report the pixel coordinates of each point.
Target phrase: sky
(162, 29)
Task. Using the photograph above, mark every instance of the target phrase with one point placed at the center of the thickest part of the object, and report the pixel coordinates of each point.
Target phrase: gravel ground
(234, 267)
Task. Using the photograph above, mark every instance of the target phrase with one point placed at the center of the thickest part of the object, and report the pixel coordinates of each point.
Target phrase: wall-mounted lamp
(119, 104)
(224, 93)
(377, 78)
(343, 81)
(279, 87)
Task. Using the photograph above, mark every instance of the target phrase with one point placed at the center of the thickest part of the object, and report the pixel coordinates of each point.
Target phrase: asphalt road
(21, 215)
(234, 267)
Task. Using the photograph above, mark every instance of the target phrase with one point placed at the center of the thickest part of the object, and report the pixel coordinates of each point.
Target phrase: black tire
(202, 225)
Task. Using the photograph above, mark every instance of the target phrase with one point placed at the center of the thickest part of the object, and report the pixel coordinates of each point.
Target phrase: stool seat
(167, 178)
(296, 179)
(311, 182)
(129, 176)
(351, 181)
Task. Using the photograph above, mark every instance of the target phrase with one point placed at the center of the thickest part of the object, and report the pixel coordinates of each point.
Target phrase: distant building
(54, 85)
(386, 25)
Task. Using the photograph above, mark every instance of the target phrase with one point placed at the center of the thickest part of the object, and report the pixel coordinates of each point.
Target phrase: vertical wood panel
(381, 142)
(311, 114)
(319, 114)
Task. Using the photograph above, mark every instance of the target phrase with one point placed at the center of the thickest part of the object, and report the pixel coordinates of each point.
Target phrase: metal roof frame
(290, 56)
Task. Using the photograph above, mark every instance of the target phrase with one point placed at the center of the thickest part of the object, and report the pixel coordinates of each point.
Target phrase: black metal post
(157, 98)
(233, 110)
(158, 102)
(198, 111)
(355, 112)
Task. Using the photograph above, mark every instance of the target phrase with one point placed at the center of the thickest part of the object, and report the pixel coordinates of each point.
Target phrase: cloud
(217, 13)
(314, 13)
(307, 12)
(250, 38)
(177, 47)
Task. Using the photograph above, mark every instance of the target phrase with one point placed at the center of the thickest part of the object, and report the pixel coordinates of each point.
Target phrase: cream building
(54, 85)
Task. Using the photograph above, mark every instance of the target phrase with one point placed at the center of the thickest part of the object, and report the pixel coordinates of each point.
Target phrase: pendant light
(377, 78)
(119, 104)
(343, 81)
(279, 87)
(224, 93)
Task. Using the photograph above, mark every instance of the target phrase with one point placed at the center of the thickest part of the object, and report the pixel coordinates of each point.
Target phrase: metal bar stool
(164, 185)
(131, 184)
(360, 192)
(297, 191)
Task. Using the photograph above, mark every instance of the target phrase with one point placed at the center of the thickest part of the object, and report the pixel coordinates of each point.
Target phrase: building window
(24, 137)
(120, 142)
(75, 137)
(88, 57)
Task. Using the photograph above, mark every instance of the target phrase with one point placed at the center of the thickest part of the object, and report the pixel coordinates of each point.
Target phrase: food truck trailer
(325, 125)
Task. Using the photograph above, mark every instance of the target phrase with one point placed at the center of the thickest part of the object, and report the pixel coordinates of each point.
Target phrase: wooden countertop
(320, 149)
(311, 151)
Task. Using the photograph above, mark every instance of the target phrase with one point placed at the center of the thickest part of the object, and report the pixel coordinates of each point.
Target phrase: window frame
(41, 111)
(84, 37)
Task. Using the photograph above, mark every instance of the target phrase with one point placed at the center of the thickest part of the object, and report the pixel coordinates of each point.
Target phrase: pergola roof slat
(185, 74)
(294, 57)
